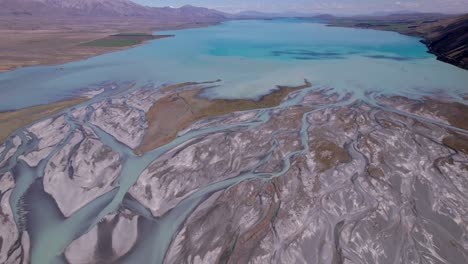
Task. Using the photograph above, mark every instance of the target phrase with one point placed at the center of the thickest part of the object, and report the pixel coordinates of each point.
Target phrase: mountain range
(258, 14)
(105, 8)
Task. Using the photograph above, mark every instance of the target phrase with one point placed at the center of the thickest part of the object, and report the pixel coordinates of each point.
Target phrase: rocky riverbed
(303, 175)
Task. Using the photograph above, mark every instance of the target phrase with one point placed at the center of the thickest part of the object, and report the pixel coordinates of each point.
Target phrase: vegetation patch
(454, 112)
(123, 40)
(457, 143)
(11, 121)
(375, 172)
(328, 154)
(179, 109)
(185, 85)
(457, 115)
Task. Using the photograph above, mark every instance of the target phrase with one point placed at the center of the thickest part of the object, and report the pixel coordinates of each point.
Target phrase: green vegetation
(178, 110)
(456, 142)
(11, 121)
(112, 43)
(328, 154)
(133, 34)
(123, 40)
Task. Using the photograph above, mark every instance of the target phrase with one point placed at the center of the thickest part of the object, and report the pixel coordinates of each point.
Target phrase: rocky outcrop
(81, 171)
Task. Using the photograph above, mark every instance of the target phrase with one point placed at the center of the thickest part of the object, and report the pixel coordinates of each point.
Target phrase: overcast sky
(321, 6)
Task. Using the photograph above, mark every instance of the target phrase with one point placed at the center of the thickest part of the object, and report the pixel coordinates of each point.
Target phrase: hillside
(72, 7)
(38, 32)
(449, 41)
(105, 8)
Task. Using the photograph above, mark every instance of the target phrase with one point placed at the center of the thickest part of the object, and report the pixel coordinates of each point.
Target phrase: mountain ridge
(105, 8)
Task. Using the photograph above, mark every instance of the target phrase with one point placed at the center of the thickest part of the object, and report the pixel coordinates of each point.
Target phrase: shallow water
(251, 57)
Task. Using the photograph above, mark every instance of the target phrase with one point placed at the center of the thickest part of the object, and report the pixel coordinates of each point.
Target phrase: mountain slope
(100, 7)
(449, 41)
(71, 7)
(105, 8)
(38, 32)
(263, 15)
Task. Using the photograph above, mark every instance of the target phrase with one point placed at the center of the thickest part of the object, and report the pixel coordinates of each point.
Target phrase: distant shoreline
(51, 46)
(444, 37)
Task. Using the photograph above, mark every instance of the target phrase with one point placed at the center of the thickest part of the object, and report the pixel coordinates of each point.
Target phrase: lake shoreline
(60, 51)
(443, 36)
(10, 121)
(80, 51)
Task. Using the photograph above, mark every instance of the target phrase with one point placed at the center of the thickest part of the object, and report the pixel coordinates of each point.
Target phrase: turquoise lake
(251, 58)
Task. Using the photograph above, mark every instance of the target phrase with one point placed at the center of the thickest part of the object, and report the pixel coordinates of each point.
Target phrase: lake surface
(251, 58)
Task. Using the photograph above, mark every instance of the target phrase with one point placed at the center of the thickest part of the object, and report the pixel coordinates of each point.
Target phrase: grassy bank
(11, 121)
(178, 110)
(123, 40)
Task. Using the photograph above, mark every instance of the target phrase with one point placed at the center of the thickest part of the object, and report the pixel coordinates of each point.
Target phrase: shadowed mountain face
(103, 8)
(449, 41)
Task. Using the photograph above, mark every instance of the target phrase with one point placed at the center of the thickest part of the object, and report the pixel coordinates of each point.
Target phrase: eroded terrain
(303, 175)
